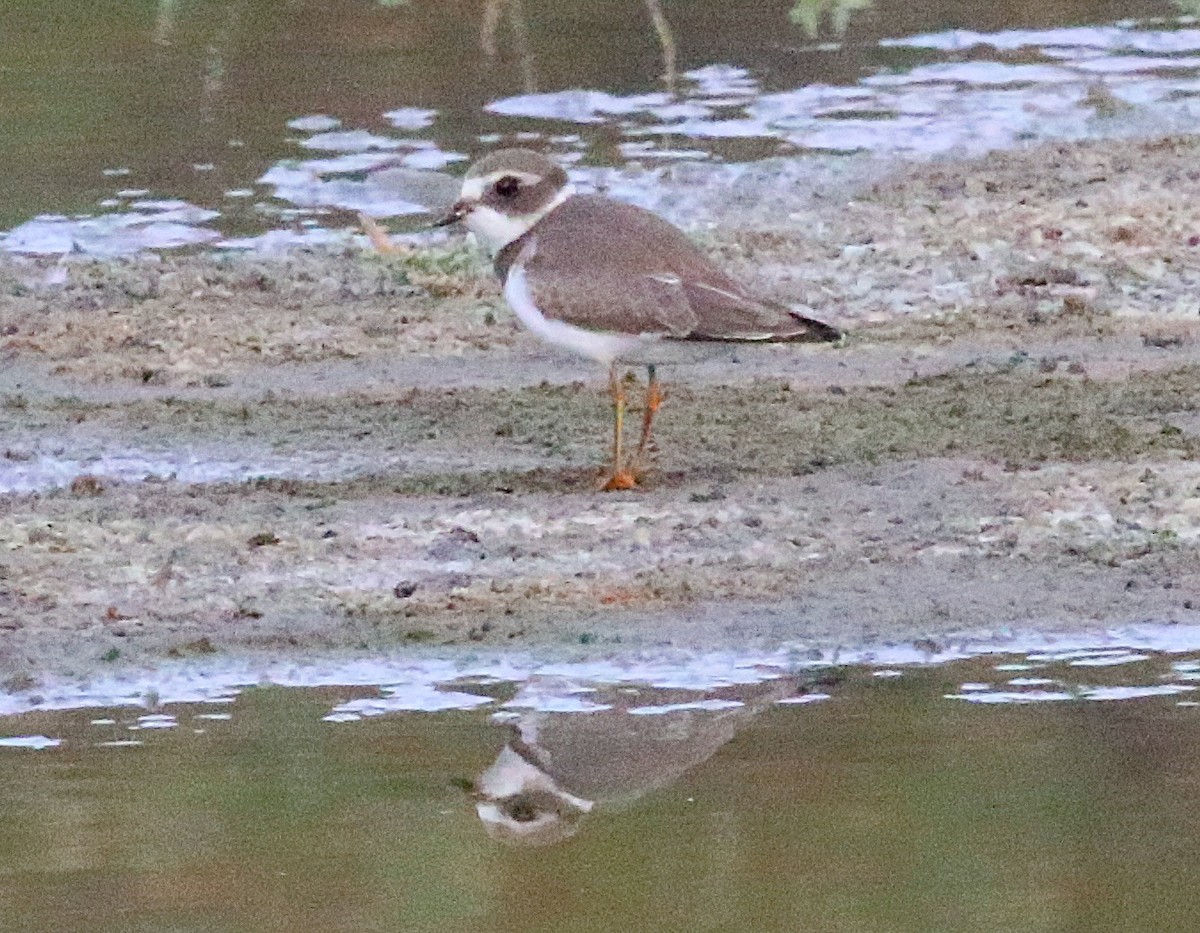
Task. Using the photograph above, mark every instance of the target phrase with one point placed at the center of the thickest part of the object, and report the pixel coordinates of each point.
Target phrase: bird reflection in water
(573, 749)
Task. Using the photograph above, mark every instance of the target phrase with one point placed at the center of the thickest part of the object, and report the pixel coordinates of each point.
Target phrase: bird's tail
(810, 330)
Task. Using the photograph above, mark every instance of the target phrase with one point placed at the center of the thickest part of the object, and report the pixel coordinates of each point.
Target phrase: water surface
(1048, 788)
(161, 124)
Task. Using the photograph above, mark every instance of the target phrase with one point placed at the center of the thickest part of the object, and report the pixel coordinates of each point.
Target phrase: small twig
(378, 236)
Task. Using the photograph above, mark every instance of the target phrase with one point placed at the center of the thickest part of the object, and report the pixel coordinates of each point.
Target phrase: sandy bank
(1006, 439)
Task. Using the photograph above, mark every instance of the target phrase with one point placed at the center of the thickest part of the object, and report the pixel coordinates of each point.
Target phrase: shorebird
(609, 281)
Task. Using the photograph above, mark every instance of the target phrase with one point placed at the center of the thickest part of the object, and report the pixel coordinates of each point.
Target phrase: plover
(608, 280)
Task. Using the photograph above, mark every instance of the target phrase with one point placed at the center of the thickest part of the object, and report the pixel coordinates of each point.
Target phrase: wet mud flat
(342, 450)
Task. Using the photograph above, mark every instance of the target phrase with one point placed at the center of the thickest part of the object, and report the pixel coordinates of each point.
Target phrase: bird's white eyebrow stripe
(473, 188)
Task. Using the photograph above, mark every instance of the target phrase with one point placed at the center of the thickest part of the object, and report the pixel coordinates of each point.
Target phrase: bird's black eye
(520, 808)
(507, 186)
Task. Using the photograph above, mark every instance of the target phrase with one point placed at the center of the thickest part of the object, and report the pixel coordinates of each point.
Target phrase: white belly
(597, 345)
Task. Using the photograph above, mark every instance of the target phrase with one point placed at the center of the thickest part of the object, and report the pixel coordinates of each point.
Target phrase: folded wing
(653, 280)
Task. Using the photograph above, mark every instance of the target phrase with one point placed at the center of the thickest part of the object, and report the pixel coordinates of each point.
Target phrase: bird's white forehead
(473, 188)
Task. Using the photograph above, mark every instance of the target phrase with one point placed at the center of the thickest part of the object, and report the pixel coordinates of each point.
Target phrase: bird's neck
(498, 231)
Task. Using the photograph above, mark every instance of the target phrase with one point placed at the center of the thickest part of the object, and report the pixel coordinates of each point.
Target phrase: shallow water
(247, 123)
(917, 788)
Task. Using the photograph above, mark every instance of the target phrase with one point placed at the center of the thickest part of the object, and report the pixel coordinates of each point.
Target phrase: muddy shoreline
(1006, 439)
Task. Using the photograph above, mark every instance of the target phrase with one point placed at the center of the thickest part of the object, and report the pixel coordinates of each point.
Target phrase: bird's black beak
(460, 210)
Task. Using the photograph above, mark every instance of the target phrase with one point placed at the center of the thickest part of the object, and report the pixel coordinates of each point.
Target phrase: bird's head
(505, 193)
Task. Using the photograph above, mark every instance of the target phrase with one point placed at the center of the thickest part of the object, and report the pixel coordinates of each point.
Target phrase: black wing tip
(814, 331)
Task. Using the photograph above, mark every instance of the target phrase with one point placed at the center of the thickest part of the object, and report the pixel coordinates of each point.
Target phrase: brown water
(111, 106)
(1066, 796)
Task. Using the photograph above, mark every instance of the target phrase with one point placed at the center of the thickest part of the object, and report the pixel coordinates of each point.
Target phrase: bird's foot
(620, 480)
(655, 396)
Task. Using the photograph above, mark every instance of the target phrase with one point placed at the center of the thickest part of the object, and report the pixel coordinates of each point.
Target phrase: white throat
(496, 230)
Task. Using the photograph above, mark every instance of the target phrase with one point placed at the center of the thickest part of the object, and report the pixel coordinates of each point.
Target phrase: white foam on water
(121, 233)
(748, 127)
(1014, 696)
(410, 118)
(407, 697)
(592, 106)
(663, 709)
(295, 170)
(1072, 654)
(559, 704)
(409, 682)
(431, 158)
(279, 242)
(1122, 64)
(35, 742)
(314, 123)
(803, 699)
(1123, 692)
(1135, 692)
(1110, 660)
(979, 73)
(967, 107)
(349, 141)
(157, 721)
(306, 186)
(723, 83)
(334, 183)
(1128, 36)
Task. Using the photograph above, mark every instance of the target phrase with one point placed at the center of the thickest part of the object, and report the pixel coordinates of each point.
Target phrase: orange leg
(620, 477)
(654, 399)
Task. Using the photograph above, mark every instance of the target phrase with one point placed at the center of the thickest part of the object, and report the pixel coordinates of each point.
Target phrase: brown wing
(636, 304)
(734, 315)
(664, 285)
